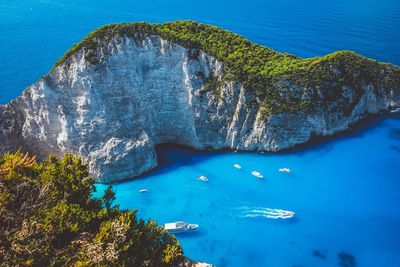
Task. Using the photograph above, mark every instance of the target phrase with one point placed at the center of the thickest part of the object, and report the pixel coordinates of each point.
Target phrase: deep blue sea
(35, 33)
(345, 193)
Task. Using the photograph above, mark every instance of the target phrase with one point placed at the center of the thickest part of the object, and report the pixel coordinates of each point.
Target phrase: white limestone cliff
(148, 91)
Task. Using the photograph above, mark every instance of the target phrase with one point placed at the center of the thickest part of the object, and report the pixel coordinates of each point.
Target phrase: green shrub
(49, 217)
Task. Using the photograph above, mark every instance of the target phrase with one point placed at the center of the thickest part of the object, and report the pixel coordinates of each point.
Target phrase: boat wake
(255, 212)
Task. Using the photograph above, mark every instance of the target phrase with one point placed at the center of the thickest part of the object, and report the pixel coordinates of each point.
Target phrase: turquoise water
(345, 195)
(35, 33)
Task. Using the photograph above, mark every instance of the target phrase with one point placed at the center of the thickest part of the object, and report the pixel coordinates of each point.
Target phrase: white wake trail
(270, 213)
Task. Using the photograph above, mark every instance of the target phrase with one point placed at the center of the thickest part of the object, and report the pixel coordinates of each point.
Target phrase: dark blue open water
(35, 33)
(345, 193)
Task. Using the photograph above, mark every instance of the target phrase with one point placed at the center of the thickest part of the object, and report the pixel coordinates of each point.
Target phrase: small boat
(285, 170)
(257, 174)
(202, 178)
(144, 190)
(237, 166)
(179, 227)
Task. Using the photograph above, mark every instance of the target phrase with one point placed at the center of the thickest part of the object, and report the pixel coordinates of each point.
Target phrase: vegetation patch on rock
(258, 68)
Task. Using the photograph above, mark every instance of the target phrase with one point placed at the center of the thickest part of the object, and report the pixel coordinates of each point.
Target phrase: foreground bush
(48, 217)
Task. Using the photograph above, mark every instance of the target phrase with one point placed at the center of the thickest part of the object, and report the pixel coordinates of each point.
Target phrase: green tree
(49, 217)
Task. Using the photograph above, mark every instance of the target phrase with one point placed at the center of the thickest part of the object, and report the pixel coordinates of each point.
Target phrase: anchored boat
(257, 174)
(202, 178)
(179, 227)
(285, 170)
(237, 166)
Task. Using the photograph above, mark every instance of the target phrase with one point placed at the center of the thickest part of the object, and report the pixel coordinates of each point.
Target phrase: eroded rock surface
(147, 91)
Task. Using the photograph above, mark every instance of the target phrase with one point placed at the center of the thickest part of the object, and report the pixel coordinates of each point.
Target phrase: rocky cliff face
(147, 90)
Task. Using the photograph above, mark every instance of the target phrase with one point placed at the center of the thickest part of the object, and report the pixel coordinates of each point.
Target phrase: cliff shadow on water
(171, 156)
(355, 129)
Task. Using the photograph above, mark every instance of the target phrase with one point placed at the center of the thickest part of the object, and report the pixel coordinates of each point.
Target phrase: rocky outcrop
(147, 90)
(189, 263)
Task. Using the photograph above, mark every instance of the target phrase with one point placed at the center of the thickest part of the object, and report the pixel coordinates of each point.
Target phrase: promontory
(126, 88)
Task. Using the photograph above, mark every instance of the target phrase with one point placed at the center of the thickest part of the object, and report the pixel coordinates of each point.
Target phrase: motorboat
(285, 170)
(202, 178)
(237, 166)
(144, 190)
(180, 226)
(257, 174)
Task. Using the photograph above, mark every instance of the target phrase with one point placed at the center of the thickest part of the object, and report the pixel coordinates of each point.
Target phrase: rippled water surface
(345, 193)
(35, 33)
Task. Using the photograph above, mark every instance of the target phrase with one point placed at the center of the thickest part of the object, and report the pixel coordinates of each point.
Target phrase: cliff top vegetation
(256, 67)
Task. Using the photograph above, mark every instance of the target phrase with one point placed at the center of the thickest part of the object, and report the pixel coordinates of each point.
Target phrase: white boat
(178, 227)
(202, 178)
(285, 170)
(144, 190)
(257, 174)
(237, 166)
